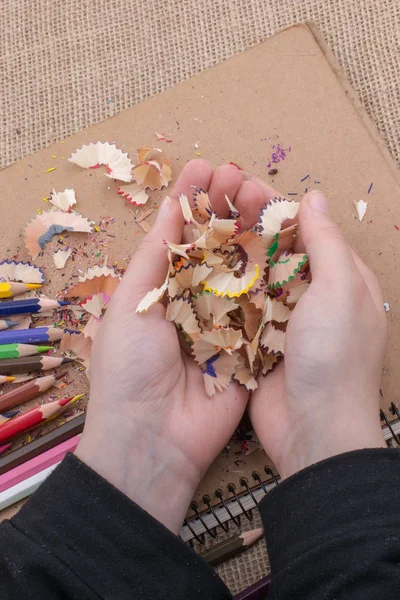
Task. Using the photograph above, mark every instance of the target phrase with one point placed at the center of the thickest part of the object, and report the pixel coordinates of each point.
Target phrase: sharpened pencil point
(249, 537)
(63, 303)
(71, 400)
(33, 286)
(44, 348)
(67, 360)
(61, 375)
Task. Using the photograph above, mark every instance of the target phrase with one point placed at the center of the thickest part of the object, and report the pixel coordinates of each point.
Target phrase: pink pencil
(37, 464)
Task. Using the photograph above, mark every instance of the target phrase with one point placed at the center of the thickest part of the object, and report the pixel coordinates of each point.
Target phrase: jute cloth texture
(66, 64)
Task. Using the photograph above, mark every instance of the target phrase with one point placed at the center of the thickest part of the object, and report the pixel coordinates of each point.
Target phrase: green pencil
(19, 350)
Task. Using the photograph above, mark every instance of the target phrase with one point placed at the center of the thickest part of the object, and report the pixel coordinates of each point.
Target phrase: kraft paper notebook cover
(284, 100)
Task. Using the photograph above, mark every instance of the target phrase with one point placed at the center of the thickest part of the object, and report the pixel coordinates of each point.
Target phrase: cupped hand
(324, 398)
(151, 429)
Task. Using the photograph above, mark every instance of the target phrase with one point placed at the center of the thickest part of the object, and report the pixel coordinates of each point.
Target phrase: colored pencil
(24, 488)
(7, 416)
(27, 391)
(31, 305)
(37, 335)
(6, 324)
(30, 364)
(44, 442)
(37, 464)
(257, 591)
(10, 414)
(34, 417)
(231, 547)
(19, 350)
(6, 379)
(4, 447)
(12, 288)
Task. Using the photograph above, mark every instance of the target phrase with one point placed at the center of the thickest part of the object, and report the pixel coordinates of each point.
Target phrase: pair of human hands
(151, 429)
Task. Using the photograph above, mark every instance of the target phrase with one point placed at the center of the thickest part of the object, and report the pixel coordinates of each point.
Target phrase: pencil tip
(63, 303)
(33, 286)
(70, 400)
(61, 375)
(249, 537)
(67, 360)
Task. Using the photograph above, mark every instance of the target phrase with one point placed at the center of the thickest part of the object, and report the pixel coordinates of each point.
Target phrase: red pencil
(4, 448)
(35, 416)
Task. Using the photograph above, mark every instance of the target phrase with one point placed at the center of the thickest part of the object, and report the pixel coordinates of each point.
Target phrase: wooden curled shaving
(97, 280)
(20, 271)
(63, 200)
(230, 291)
(41, 229)
(92, 156)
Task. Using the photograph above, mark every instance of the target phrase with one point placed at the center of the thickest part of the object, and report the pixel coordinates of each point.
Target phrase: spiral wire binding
(242, 502)
(239, 504)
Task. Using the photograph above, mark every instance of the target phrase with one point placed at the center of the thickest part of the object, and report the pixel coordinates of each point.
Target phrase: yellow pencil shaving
(33, 286)
(51, 169)
(53, 156)
(39, 211)
(45, 199)
(96, 228)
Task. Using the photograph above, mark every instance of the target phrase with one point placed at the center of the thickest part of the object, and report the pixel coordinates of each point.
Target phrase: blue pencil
(30, 305)
(37, 335)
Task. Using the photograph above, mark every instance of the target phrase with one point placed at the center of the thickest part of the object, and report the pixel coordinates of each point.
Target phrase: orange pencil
(6, 379)
(34, 417)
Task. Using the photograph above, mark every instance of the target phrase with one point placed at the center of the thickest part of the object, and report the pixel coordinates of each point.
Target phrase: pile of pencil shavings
(230, 291)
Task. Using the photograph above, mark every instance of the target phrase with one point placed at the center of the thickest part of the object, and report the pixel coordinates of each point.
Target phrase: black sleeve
(80, 538)
(333, 529)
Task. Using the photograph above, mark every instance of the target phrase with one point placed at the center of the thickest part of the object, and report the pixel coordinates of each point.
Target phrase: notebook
(284, 105)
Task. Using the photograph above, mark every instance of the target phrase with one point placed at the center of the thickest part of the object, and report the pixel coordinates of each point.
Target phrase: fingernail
(318, 202)
(164, 208)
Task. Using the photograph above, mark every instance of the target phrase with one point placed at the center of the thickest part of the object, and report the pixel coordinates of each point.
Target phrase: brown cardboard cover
(285, 91)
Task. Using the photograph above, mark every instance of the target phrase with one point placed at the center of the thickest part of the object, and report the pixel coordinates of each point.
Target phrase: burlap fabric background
(65, 64)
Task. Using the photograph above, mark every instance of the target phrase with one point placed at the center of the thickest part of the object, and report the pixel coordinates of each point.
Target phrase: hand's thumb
(330, 256)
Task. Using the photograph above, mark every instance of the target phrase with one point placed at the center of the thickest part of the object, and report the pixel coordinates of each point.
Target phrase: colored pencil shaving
(34, 417)
(37, 335)
(45, 442)
(19, 350)
(30, 364)
(223, 290)
(6, 324)
(13, 288)
(30, 305)
(27, 391)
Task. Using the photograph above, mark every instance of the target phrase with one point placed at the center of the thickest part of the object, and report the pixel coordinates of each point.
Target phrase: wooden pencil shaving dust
(230, 291)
